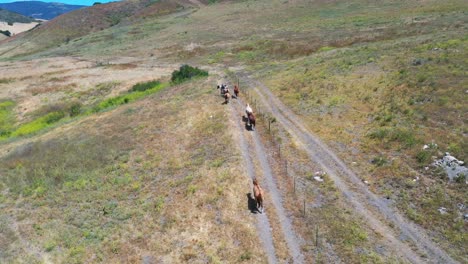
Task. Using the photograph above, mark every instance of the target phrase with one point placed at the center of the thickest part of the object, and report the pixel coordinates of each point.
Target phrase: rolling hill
(38, 9)
(361, 117)
(12, 17)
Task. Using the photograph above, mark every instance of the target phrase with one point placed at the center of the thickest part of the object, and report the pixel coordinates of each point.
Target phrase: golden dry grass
(175, 192)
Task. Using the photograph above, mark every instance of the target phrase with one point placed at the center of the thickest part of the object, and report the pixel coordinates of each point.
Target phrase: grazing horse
(227, 96)
(251, 119)
(236, 90)
(258, 195)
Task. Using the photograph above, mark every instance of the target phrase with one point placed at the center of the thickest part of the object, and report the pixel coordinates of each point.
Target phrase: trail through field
(376, 212)
(252, 148)
(263, 225)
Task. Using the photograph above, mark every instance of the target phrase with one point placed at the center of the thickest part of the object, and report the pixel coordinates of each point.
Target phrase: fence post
(294, 179)
(316, 236)
(286, 167)
(304, 208)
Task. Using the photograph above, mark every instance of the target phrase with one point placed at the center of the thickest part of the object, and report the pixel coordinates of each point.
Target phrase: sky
(70, 2)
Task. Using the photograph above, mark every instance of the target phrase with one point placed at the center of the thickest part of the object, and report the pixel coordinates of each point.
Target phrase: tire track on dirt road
(351, 186)
(259, 150)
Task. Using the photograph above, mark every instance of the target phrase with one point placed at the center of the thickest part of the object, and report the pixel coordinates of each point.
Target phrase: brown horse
(227, 96)
(236, 90)
(251, 118)
(258, 195)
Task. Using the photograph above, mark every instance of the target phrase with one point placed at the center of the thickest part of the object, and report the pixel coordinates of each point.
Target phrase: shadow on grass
(246, 121)
(252, 204)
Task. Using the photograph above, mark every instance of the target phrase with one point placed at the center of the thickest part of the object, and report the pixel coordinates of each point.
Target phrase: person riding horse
(248, 110)
(222, 88)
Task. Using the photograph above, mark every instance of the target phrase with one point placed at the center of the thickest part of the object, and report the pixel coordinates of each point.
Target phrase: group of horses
(224, 91)
(257, 190)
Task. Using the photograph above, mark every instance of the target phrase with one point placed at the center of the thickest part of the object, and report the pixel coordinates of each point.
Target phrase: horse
(258, 195)
(222, 88)
(251, 119)
(227, 96)
(236, 90)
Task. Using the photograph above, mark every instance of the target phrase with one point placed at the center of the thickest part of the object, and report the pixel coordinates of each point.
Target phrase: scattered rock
(417, 62)
(465, 216)
(318, 178)
(453, 167)
(430, 146)
(442, 210)
(460, 206)
(366, 182)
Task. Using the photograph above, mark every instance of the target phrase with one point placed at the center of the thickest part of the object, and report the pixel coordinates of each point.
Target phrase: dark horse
(251, 119)
(236, 90)
(258, 195)
(227, 96)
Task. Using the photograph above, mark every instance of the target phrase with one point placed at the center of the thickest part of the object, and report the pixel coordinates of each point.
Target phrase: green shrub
(75, 109)
(186, 72)
(144, 86)
(423, 157)
(379, 133)
(6, 33)
(405, 137)
(53, 117)
(379, 161)
(38, 124)
(136, 92)
(6, 117)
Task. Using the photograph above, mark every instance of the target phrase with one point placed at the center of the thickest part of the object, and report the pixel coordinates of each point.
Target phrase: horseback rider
(248, 110)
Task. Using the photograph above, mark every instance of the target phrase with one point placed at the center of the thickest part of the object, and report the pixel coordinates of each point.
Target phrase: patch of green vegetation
(141, 87)
(403, 136)
(6, 80)
(6, 118)
(325, 48)
(136, 92)
(185, 73)
(38, 124)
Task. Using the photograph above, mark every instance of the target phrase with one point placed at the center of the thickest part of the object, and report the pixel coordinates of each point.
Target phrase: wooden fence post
(304, 208)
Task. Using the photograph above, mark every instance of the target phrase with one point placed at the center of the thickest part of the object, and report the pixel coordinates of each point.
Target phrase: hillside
(88, 20)
(12, 17)
(104, 159)
(38, 9)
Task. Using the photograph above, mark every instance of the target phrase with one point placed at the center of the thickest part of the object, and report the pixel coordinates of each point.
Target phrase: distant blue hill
(39, 10)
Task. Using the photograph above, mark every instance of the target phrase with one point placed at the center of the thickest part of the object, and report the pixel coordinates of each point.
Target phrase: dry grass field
(92, 172)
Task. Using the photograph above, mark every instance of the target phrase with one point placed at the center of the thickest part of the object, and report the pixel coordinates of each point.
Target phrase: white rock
(426, 168)
(317, 178)
(442, 210)
(366, 182)
(425, 147)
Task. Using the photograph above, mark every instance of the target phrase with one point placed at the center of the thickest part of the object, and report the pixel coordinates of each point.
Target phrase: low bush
(423, 157)
(137, 91)
(38, 124)
(186, 72)
(140, 87)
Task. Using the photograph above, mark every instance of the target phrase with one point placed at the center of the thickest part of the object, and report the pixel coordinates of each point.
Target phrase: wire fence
(300, 185)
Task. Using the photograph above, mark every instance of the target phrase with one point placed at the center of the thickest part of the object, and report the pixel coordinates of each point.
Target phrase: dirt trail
(263, 225)
(373, 209)
(258, 151)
